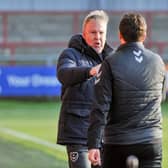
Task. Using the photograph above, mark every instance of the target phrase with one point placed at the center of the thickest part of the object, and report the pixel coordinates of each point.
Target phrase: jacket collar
(131, 44)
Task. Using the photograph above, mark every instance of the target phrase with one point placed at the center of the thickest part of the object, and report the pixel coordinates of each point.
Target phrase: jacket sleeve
(164, 90)
(68, 72)
(101, 106)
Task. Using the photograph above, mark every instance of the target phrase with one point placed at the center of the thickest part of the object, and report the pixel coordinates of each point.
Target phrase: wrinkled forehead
(95, 21)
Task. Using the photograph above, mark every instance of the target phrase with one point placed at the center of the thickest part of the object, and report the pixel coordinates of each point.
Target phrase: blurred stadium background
(32, 35)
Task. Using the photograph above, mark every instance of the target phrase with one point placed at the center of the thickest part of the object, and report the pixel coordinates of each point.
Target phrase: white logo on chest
(138, 56)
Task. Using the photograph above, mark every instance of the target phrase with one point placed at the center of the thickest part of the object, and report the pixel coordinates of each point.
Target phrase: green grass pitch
(28, 135)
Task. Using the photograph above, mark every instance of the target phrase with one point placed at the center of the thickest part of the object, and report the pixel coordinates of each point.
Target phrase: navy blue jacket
(77, 94)
(128, 98)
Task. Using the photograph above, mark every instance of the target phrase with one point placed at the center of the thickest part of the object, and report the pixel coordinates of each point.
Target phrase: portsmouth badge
(74, 156)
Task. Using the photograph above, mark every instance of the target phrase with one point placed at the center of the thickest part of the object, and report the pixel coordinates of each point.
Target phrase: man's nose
(98, 36)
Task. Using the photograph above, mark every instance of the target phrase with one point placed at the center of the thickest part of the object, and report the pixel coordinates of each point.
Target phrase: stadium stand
(34, 32)
(40, 35)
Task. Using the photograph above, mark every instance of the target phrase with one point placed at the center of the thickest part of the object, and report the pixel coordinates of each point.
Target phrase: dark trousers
(149, 155)
(78, 157)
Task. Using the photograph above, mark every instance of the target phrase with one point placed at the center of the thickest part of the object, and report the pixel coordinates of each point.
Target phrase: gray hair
(96, 14)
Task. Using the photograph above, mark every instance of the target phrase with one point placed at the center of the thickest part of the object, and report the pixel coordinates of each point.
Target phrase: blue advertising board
(29, 81)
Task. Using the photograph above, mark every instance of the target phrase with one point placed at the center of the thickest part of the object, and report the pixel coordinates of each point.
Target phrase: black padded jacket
(128, 98)
(77, 94)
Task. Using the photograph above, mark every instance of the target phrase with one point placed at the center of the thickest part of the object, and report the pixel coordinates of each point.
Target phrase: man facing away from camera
(127, 107)
(77, 68)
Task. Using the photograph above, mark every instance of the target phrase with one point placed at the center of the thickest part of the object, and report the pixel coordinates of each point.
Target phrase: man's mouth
(97, 45)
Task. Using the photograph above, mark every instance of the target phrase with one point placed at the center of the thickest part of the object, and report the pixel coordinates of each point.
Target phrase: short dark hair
(132, 27)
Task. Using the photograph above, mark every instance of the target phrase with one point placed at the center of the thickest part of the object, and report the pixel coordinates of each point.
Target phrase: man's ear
(83, 34)
(143, 38)
(122, 41)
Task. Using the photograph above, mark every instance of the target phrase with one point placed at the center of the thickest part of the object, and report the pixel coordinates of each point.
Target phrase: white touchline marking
(36, 140)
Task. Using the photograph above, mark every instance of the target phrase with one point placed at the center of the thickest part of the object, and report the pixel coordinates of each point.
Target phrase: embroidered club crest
(74, 156)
